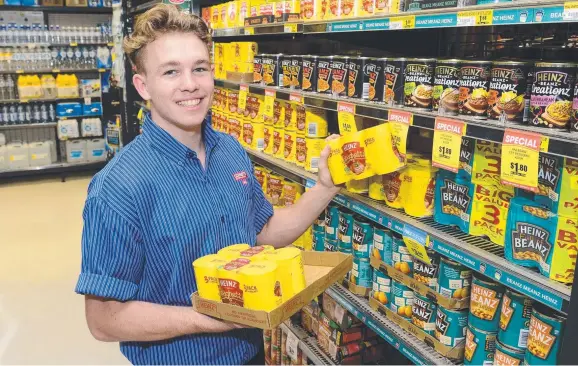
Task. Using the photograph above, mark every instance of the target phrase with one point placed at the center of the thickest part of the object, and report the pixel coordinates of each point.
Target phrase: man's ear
(140, 85)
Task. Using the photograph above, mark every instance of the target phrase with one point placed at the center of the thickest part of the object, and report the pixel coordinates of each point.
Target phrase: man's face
(177, 79)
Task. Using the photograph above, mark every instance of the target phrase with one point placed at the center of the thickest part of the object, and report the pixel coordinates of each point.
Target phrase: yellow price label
(544, 144)
(73, 44)
(416, 242)
(269, 103)
(20, 71)
(243, 93)
(520, 156)
(447, 143)
(346, 118)
(570, 10)
(55, 70)
(405, 22)
(290, 28)
(101, 70)
(249, 31)
(296, 98)
(475, 18)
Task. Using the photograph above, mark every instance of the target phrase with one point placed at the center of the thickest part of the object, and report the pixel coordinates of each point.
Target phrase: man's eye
(201, 69)
(170, 72)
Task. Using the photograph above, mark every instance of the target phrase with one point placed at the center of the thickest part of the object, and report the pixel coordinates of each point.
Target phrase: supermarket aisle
(41, 318)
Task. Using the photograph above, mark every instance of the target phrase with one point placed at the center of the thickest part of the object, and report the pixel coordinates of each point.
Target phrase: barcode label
(260, 144)
(312, 129)
(365, 94)
(523, 340)
(280, 78)
(314, 163)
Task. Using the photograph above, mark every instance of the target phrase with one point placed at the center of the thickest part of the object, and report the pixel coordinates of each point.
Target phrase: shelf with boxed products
(558, 141)
(476, 253)
(262, 29)
(307, 344)
(410, 346)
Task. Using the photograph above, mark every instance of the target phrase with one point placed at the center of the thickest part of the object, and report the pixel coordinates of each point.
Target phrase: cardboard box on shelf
(322, 269)
(454, 353)
(52, 2)
(259, 20)
(79, 3)
(422, 289)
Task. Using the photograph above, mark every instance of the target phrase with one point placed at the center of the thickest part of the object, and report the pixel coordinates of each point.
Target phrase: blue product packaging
(12, 2)
(92, 109)
(68, 109)
(466, 158)
(530, 235)
(550, 170)
(453, 198)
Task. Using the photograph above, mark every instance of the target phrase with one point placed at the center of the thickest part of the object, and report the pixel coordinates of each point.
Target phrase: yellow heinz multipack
(261, 289)
(490, 211)
(316, 123)
(291, 272)
(418, 187)
(232, 251)
(244, 51)
(313, 10)
(205, 269)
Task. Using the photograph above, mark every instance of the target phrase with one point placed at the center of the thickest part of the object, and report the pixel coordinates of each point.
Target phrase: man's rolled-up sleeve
(112, 253)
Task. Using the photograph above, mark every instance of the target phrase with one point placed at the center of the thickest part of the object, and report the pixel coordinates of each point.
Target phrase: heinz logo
(346, 107)
(207, 305)
(240, 176)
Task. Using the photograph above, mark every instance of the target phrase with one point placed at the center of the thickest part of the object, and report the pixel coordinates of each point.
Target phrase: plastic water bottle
(70, 57)
(3, 91)
(43, 113)
(77, 58)
(28, 114)
(35, 114)
(51, 113)
(10, 88)
(21, 114)
(13, 114)
(92, 57)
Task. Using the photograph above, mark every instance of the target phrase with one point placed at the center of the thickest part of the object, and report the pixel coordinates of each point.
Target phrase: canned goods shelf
(410, 346)
(263, 29)
(561, 142)
(308, 345)
(476, 253)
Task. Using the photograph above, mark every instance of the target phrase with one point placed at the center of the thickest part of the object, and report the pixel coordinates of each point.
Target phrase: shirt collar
(169, 146)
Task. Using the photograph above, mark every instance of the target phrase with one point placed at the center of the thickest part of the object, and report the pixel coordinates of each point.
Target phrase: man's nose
(188, 81)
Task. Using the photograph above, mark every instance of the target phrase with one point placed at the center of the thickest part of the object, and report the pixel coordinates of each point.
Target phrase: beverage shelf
(31, 125)
(561, 142)
(53, 71)
(58, 168)
(10, 101)
(58, 9)
(477, 253)
(46, 44)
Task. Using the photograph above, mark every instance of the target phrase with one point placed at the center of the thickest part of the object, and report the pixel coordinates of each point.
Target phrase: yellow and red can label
(290, 146)
(205, 269)
(261, 289)
(268, 139)
(300, 150)
(230, 282)
(278, 143)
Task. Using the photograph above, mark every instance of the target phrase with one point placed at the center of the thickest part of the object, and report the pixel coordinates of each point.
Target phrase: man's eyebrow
(169, 63)
(202, 62)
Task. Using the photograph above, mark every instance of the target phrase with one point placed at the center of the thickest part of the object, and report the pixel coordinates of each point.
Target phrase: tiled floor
(41, 318)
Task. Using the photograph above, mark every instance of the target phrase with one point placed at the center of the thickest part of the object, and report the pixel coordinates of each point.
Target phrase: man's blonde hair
(157, 21)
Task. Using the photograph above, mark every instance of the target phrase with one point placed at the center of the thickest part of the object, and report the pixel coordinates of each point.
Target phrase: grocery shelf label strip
(436, 21)
(473, 18)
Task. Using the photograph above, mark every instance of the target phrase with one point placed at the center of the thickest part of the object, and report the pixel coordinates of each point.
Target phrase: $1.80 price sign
(346, 118)
(520, 154)
(447, 143)
(269, 103)
(243, 93)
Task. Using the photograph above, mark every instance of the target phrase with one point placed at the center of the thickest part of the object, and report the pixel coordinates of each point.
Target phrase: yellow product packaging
(305, 241)
(205, 269)
(300, 118)
(290, 146)
(261, 176)
(279, 114)
(225, 123)
(568, 203)
(254, 9)
(487, 162)
(418, 187)
(290, 117)
(312, 10)
(388, 7)
(316, 122)
(258, 142)
(228, 52)
(291, 192)
(376, 190)
(392, 188)
(236, 128)
(244, 12)
(218, 53)
(257, 109)
(278, 149)
(490, 211)
(245, 51)
(286, 7)
(261, 290)
(300, 150)
(232, 14)
(313, 149)
(242, 67)
(233, 101)
(256, 253)
(268, 139)
(381, 156)
(291, 272)
(342, 9)
(215, 17)
(358, 186)
(339, 173)
(565, 250)
(231, 283)
(366, 8)
(232, 251)
(274, 188)
(399, 140)
(246, 132)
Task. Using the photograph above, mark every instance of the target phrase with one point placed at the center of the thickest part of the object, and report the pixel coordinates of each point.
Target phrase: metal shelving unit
(33, 125)
(53, 71)
(308, 345)
(58, 9)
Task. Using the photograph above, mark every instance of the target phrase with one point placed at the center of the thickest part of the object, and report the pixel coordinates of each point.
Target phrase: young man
(177, 192)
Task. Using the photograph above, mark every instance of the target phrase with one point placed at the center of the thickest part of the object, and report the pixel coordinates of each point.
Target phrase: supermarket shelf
(264, 29)
(143, 7)
(43, 44)
(58, 168)
(308, 345)
(505, 13)
(33, 125)
(58, 9)
(476, 253)
(9, 101)
(410, 346)
(53, 71)
(561, 142)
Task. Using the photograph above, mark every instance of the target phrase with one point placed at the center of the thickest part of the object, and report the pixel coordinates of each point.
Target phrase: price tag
(520, 154)
(243, 92)
(399, 125)
(73, 44)
(475, 18)
(22, 71)
(544, 144)
(292, 346)
(405, 22)
(269, 103)
(416, 242)
(87, 100)
(249, 31)
(346, 118)
(447, 143)
(297, 98)
(101, 70)
(570, 11)
(290, 28)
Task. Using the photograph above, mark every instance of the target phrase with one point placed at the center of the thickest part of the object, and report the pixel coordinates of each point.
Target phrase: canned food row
(539, 93)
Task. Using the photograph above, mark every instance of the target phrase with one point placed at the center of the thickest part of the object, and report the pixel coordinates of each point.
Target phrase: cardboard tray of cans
(422, 289)
(322, 269)
(355, 289)
(454, 353)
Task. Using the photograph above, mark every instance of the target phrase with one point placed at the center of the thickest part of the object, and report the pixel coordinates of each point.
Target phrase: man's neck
(193, 139)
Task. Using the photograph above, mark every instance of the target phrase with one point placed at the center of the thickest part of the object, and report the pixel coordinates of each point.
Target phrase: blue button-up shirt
(150, 213)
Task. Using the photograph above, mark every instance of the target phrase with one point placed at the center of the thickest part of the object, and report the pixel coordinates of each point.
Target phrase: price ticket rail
(562, 143)
(477, 253)
(297, 337)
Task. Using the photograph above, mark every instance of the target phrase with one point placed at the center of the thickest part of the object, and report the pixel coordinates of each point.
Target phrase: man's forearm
(288, 223)
(114, 321)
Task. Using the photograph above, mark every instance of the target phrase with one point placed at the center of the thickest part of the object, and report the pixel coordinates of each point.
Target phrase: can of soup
(382, 244)
(300, 151)
(356, 85)
(418, 86)
(546, 332)
(339, 73)
(318, 240)
(271, 70)
(394, 81)
(362, 237)
(402, 260)
(506, 356)
(424, 313)
(345, 227)
(331, 245)
(508, 86)
(515, 314)
(474, 85)
(454, 279)
(427, 273)
(401, 299)
(324, 74)
(361, 272)
(451, 325)
(480, 347)
(381, 287)
(258, 69)
(446, 89)
(296, 71)
(373, 80)
(485, 300)
(332, 222)
(285, 81)
(309, 73)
